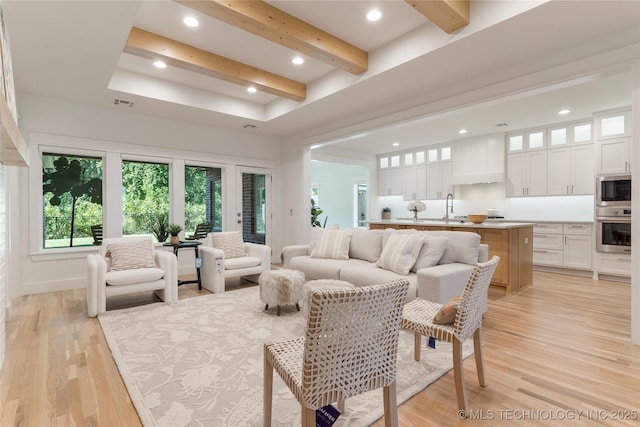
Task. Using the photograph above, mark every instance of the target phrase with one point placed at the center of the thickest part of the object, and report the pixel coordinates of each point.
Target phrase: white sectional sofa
(439, 269)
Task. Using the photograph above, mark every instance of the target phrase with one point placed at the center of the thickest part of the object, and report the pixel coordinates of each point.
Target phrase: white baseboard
(53, 286)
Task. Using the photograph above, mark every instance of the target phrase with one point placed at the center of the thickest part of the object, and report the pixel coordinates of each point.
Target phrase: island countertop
(489, 224)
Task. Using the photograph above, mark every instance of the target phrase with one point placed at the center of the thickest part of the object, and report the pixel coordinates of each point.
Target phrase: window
(72, 199)
(145, 199)
(202, 197)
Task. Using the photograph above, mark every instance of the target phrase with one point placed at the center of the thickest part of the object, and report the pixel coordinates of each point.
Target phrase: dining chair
(418, 317)
(350, 347)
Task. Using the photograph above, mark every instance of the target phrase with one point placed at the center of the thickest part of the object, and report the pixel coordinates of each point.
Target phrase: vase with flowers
(415, 207)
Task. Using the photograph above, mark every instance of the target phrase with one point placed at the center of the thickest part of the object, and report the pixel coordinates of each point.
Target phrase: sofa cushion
(333, 244)
(432, 249)
(241, 262)
(462, 246)
(130, 277)
(364, 274)
(400, 253)
(321, 268)
(365, 244)
(131, 255)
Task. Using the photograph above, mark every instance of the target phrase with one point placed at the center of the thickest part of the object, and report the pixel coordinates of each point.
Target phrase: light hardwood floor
(552, 350)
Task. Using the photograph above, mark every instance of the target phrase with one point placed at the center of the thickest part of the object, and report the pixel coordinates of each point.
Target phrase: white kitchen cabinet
(479, 160)
(389, 182)
(527, 174)
(613, 264)
(570, 170)
(439, 180)
(577, 251)
(414, 183)
(567, 245)
(614, 156)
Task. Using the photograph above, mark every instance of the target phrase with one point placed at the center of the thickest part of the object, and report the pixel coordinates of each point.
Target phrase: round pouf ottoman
(281, 287)
(322, 284)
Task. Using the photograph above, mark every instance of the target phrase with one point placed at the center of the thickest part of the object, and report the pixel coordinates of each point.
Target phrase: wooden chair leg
(342, 406)
(308, 417)
(390, 405)
(477, 349)
(458, 374)
(267, 389)
(417, 344)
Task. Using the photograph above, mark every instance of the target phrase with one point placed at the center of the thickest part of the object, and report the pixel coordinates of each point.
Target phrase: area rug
(198, 362)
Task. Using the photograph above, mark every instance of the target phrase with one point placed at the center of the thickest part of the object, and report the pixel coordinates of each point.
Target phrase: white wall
(335, 181)
(86, 127)
(3, 262)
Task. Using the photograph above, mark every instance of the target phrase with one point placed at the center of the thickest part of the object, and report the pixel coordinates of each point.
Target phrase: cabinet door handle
(571, 188)
(565, 240)
(541, 251)
(567, 189)
(523, 191)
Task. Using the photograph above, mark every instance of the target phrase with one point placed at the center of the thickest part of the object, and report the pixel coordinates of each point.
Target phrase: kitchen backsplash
(470, 199)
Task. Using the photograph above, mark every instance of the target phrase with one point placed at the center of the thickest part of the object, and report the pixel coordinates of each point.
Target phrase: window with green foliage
(145, 199)
(202, 197)
(72, 199)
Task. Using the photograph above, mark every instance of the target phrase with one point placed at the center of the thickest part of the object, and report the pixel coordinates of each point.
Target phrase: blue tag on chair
(198, 262)
(432, 343)
(326, 416)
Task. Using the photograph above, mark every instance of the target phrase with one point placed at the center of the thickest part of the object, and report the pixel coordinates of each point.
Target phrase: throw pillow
(131, 255)
(400, 252)
(230, 242)
(462, 246)
(447, 313)
(316, 233)
(431, 252)
(333, 244)
(365, 244)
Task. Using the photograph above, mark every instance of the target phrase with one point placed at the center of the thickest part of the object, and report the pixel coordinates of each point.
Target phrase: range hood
(478, 178)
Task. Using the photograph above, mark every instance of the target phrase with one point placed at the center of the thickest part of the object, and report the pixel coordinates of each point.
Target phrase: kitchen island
(511, 241)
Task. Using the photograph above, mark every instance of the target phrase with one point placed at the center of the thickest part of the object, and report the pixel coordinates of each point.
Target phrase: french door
(254, 205)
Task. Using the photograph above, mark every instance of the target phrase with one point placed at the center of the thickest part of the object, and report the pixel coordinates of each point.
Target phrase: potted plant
(386, 213)
(174, 230)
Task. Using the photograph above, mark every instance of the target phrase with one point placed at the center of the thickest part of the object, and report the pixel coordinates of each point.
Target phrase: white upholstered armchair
(126, 265)
(225, 255)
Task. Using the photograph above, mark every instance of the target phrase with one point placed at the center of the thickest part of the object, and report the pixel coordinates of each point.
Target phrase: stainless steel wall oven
(613, 229)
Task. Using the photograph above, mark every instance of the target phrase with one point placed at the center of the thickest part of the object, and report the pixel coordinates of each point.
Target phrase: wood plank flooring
(558, 347)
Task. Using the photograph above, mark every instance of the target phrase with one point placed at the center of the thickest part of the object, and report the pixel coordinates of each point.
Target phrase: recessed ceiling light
(190, 21)
(298, 60)
(252, 89)
(374, 15)
(563, 112)
(395, 144)
(461, 131)
(159, 64)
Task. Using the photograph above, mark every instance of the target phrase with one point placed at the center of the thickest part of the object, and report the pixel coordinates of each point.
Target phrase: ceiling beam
(271, 23)
(449, 15)
(153, 46)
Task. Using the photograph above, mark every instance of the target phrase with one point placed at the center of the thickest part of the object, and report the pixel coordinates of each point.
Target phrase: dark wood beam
(449, 15)
(153, 46)
(273, 24)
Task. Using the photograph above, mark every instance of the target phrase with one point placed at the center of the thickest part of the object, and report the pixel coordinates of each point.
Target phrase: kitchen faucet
(446, 211)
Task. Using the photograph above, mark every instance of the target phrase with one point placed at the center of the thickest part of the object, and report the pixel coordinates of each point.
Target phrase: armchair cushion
(131, 255)
(130, 277)
(241, 262)
(230, 242)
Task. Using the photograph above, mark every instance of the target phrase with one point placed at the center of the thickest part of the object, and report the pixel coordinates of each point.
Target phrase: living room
(180, 135)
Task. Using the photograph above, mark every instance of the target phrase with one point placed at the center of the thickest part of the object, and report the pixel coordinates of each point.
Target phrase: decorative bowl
(477, 219)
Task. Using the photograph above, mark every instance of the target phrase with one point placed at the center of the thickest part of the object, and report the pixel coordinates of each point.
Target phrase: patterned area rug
(199, 362)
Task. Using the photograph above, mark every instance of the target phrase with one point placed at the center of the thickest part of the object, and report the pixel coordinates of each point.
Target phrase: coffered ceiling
(405, 69)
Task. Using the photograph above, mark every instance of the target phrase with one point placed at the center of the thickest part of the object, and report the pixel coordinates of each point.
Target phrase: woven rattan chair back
(351, 341)
(474, 296)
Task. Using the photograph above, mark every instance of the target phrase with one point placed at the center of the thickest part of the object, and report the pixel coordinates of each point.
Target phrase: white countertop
(452, 223)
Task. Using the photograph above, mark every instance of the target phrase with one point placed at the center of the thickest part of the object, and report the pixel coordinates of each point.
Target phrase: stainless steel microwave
(613, 190)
